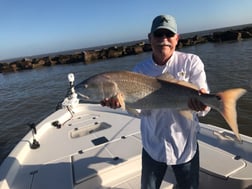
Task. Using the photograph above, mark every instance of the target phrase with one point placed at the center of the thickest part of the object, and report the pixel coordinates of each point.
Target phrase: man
(167, 137)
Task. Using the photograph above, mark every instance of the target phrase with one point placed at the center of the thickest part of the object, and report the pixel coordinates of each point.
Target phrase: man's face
(163, 42)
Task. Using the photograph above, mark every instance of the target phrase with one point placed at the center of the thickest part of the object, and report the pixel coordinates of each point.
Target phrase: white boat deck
(97, 147)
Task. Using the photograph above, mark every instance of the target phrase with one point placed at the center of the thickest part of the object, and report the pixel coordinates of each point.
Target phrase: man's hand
(112, 102)
(197, 105)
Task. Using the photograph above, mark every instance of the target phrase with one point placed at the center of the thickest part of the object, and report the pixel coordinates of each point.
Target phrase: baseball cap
(164, 22)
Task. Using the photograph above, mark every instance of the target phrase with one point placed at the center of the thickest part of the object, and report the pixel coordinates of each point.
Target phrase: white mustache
(165, 44)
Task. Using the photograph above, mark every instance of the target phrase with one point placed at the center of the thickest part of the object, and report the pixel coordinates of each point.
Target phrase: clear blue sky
(32, 27)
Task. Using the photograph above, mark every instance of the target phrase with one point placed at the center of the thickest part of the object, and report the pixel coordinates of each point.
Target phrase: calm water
(29, 96)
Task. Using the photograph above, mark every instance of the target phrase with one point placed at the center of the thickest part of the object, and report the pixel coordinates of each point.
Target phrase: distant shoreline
(182, 35)
(89, 55)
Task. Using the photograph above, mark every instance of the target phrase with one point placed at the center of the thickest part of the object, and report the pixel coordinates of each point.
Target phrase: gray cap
(164, 22)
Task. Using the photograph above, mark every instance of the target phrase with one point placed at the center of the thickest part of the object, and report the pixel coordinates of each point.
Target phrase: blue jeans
(187, 174)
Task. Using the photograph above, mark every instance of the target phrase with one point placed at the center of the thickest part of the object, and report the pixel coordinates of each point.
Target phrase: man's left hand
(197, 105)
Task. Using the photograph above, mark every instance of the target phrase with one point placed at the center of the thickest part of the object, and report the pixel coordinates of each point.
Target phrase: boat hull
(91, 146)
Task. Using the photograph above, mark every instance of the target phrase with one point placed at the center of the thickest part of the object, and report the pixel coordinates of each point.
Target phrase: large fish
(138, 91)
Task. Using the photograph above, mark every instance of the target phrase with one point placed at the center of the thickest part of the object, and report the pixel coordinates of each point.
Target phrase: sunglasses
(162, 33)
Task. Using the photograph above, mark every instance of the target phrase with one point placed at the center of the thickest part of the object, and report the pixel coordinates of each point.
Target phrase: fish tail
(227, 107)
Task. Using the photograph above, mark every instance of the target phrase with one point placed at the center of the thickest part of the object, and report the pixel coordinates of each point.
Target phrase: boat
(84, 145)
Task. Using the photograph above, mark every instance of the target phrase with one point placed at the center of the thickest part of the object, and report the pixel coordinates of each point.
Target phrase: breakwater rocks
(90, 56)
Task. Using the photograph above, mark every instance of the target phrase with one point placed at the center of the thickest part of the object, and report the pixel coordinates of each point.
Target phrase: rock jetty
(90, 56)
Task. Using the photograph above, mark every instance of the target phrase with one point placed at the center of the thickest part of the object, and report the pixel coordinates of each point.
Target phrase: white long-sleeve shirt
(166, 135)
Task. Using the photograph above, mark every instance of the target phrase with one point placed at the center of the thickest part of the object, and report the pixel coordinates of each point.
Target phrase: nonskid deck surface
(97, 147)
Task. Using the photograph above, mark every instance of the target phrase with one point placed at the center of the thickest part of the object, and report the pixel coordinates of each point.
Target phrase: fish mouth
(83, 96)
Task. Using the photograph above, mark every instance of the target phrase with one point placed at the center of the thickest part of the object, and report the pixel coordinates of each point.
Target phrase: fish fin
(187, 84)
(228, 107)
(187, 114)
(166, 77)
(120, 98)
(169, 78)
